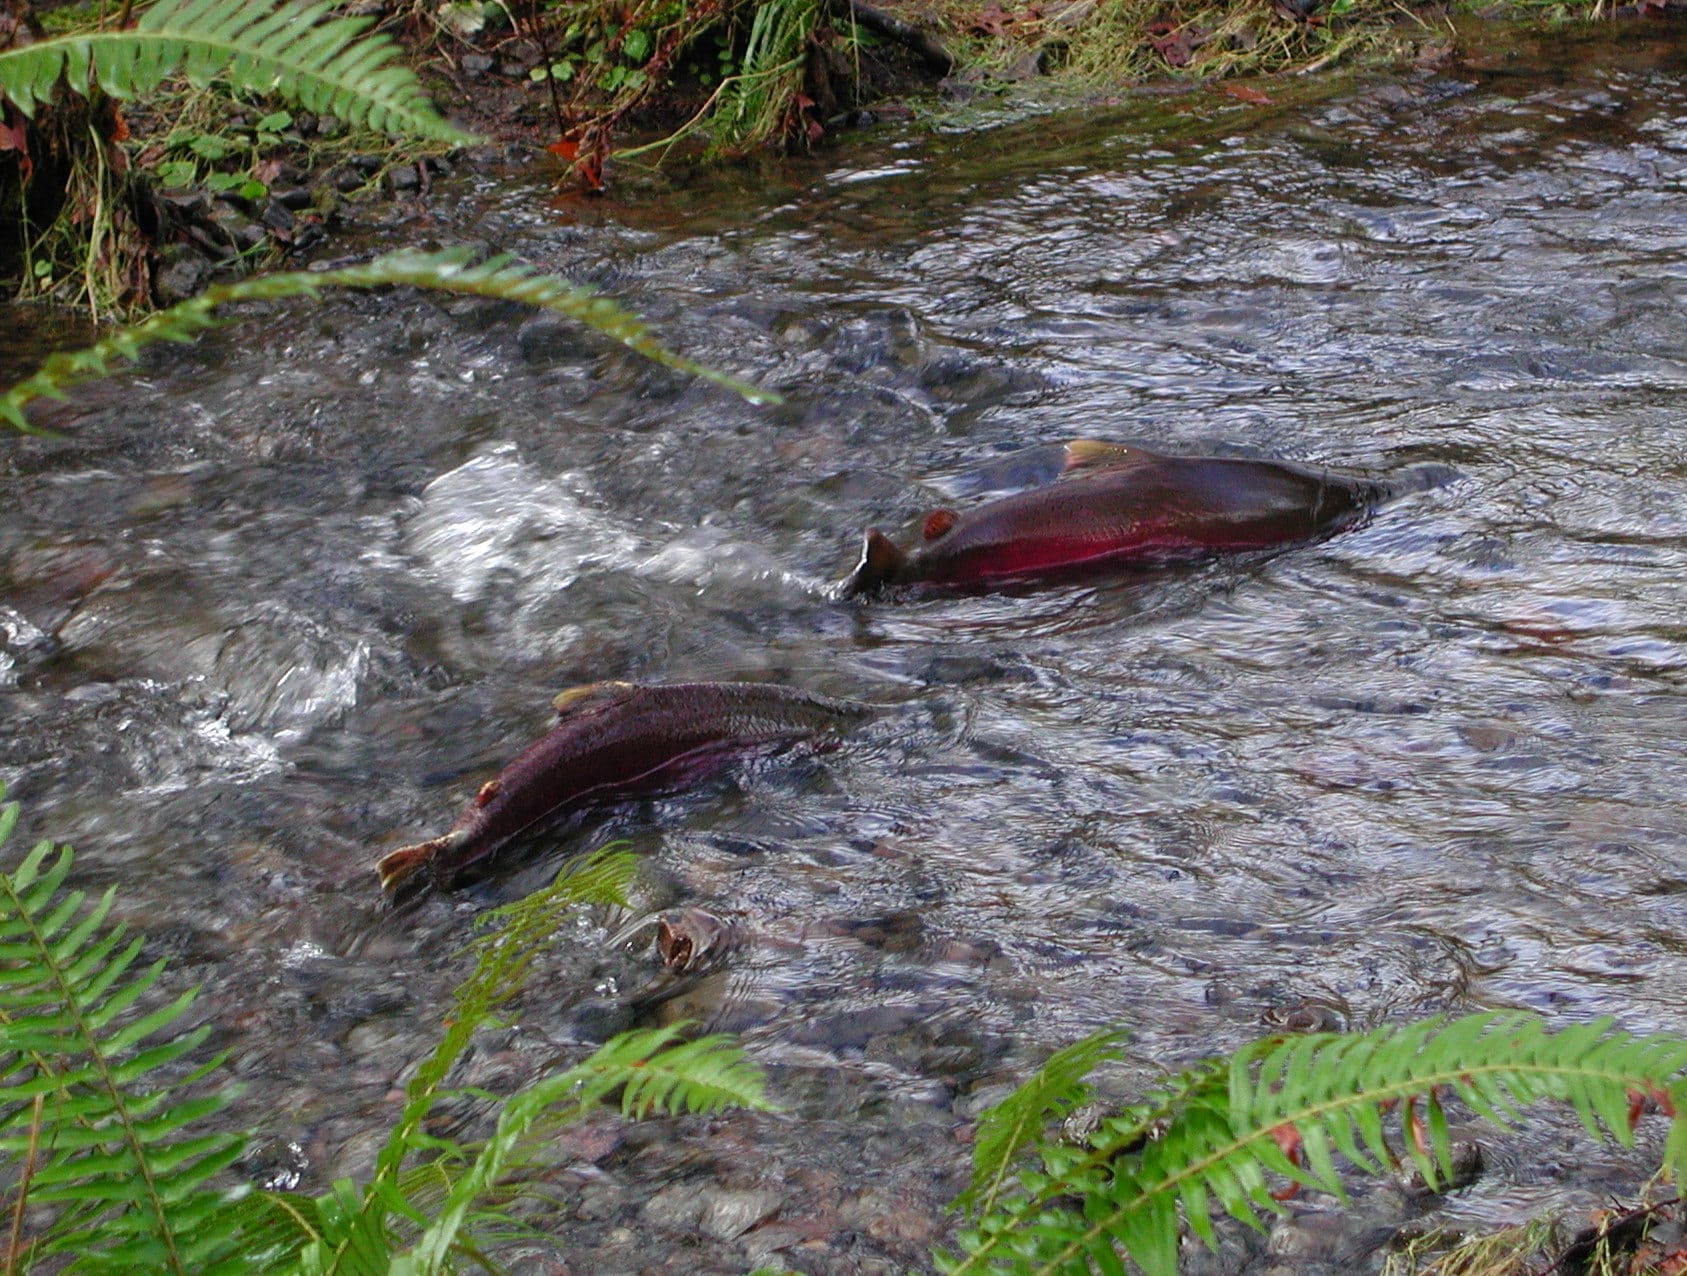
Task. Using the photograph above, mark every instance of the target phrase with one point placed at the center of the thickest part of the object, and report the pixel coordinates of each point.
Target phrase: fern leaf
(295, 50)
(449, 271)
(350, 1232)
(1049, 1093)
(699, 1076)
(657, 1076)
(117, 1133)
(1337, 1093)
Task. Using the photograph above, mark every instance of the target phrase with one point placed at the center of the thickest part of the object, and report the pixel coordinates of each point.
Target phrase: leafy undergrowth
(106, 1095)
(1241, 1135)
(1116, 43)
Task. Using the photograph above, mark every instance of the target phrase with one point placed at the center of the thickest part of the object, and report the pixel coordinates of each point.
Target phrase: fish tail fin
(1422, 477)
(397, 867)
(880, 562)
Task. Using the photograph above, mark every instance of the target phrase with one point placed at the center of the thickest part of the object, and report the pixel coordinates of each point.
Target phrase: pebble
(278, 218)
(292, 198)
(184, 274)
(237, 229)
(720, 1212)
(551, 338)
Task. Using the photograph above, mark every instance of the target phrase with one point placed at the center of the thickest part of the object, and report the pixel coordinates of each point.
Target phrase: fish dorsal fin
(1098, 454)
(880, 561)
(937, 523)
(593, 695)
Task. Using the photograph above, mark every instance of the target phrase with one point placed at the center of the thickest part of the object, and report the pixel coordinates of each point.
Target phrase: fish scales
(617, 741)
(1125, 505)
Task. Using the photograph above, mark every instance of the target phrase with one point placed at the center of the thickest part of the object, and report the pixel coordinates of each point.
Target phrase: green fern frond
(349, 1232)
(352, 1233)
(120, 1150)
(290, 50)
(450, 271)
(656, 1076)
(511, 937)
(653, 1074)
(1050, 1092)
(1320, 1096)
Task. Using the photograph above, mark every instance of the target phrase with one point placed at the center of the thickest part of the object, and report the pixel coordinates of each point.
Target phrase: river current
(279, 602)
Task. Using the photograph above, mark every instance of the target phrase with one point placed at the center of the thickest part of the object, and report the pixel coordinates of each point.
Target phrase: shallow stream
(279, 602)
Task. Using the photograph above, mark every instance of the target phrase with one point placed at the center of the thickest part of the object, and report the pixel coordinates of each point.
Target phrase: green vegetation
(104, 1103)
(293, 49)
(1284, 1108)
(451, 270)
(722, 76)
(69, 204)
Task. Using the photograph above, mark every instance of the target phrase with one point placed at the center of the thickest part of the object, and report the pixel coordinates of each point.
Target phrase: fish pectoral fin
(1096, 453)
(880, 562)
(593, 695)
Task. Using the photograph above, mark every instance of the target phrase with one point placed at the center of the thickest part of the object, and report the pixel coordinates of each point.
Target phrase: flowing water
(281, 601)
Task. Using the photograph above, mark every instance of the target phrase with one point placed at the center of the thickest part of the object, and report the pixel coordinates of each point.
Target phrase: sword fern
(1289, 1107)
(287, 49)
(449, 271)
(103, 1103)
(96, 1090)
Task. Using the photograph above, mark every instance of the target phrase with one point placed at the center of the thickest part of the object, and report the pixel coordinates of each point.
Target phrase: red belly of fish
(1047, 554)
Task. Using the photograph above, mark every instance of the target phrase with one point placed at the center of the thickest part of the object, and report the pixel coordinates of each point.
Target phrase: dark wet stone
(1305, 1016)
(238, 229)
(804, 332)
(550, 338)
(1467, 1168)
(347, 179)
(304, 123)
(404, 178)
(184, 274)
(278, 218)
(292, 198)
(330, 126)
(475, 65)
(720, 1212)
(308, 235)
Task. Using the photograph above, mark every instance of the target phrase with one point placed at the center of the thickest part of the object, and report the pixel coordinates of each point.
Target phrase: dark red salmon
(618, 740)
(1121, 506)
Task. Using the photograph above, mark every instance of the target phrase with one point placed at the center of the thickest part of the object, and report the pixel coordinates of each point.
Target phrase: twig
(23, 1186)
(549, 62)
